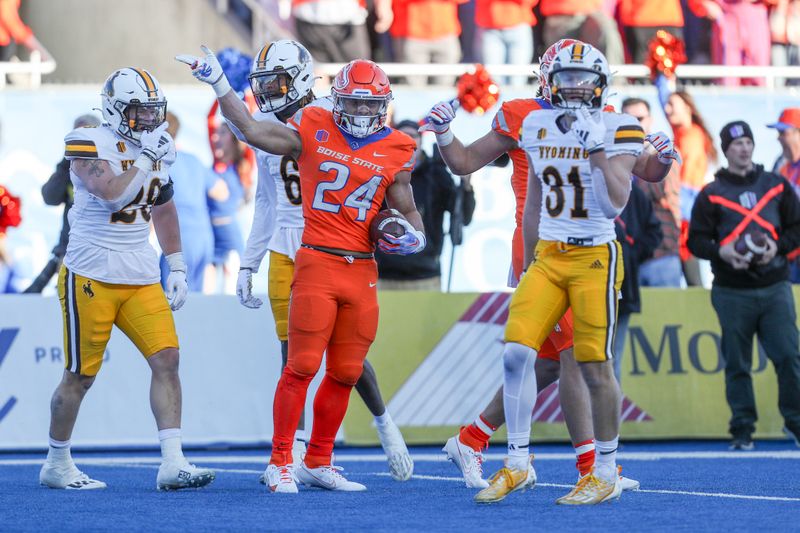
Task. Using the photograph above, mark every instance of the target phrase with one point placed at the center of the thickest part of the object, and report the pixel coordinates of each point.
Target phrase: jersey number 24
(360, 199)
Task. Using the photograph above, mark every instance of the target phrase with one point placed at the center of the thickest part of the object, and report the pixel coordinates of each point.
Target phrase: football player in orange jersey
(349, 160)
(555, 358)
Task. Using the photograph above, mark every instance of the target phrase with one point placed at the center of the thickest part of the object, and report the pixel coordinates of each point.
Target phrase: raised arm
(270, 137)
(463, 160)
(116, 191)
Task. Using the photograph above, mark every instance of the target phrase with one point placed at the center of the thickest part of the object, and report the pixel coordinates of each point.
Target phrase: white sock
(519, 399)
(59, 451)
(171, 444)
(383, 420)
(606, 459)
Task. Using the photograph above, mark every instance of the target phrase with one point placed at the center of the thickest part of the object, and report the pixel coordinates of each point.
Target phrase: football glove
(176, 288)
(411, 242)
(244, 289)
(207, 69)
(155, 145)
(667, 153)
(440, 116)
(589, 129)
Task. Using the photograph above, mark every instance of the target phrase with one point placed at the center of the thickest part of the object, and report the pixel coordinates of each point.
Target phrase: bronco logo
(87, 289)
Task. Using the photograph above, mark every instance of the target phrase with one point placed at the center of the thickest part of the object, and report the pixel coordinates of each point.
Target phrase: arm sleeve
(789, 239)
(165, 194)
(702, 234)
(55, 190)
(263, 217)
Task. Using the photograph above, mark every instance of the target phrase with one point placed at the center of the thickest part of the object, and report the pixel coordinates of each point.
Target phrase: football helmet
(546, 63)
(132, 102)
(361, 96)
(282, 74)
(579, 77)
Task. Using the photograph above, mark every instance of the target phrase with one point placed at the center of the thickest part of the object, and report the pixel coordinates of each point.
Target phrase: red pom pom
(477, 91)
(665, 52)
(10, 215)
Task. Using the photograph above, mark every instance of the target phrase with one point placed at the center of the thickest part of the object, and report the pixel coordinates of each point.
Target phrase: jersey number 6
(360, 199)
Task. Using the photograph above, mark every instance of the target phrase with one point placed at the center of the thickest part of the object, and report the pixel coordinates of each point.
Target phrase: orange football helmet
(546, 63)
(361, 95)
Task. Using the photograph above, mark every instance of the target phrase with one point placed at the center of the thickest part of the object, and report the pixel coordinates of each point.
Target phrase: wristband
(176, 262)
(145, 161)
(445, 138)
(221, 86)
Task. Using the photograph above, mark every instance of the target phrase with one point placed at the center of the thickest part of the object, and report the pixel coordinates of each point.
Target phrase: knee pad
(348, 374)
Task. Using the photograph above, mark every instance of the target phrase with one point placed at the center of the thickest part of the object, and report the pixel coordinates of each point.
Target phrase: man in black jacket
(434, 193)
(751, 296)
(639, 233)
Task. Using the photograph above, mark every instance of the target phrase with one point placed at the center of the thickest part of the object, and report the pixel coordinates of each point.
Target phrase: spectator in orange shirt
(641, 19)
(13, 31)
(506, 33)
(697, 148)
(585, 20)
(426, 31)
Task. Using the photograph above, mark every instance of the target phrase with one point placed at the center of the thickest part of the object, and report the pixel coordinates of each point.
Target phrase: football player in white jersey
(282, 79)
(111, 275)
(580, 163)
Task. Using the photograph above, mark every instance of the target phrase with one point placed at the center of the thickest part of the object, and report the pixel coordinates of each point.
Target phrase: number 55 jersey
(106, 246)
(569, 210)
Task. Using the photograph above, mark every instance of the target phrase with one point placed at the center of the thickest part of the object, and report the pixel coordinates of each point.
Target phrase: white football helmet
(282, 74)
(132, 102)
(579, 77)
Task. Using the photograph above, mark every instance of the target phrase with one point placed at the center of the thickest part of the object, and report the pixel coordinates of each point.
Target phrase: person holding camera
(747, 222)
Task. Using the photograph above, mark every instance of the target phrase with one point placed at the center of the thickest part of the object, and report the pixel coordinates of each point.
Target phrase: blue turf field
(685, 486)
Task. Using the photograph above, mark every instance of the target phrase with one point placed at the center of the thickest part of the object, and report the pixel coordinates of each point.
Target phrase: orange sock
(290, 398)
(330, 406)
(584, 452)
(477, 434)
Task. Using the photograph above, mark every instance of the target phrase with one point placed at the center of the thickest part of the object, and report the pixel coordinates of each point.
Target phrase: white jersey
(106, 246)
(569, 210)
(278, 203)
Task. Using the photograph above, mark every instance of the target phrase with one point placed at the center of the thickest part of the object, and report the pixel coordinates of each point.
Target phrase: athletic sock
(287, 407)
(606, 459)
(584, 454)
(59, 452)
(170, 440)
(383, 420)
(477, 434)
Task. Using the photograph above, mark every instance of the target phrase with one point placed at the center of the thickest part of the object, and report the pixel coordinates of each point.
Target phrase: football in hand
(751, 244)
(386, 223)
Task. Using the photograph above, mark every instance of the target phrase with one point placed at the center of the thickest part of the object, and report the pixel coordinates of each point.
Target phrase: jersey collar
(357, 143)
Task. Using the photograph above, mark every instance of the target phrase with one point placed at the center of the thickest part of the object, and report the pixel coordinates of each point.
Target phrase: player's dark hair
(635, 101)
(287, 112)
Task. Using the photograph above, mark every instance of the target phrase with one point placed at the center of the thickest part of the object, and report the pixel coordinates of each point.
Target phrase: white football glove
(207, 69)
(589, 129)
(440, 116)
(411, 242)
(244, 289)
(177, 289)
(667, 153)
(155, 145)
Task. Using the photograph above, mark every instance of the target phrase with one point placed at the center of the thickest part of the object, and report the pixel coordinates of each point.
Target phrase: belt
(349, 256)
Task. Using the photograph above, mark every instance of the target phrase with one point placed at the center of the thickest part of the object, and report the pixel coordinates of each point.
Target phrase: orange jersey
(344, 179)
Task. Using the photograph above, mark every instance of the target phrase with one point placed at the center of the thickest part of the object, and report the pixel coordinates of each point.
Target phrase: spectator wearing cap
(788, 164)
(435, 193)
(751, 297)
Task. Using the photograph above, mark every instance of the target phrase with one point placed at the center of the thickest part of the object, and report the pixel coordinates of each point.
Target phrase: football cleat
(592, 490)
(173, 475)
(506, 481)
(281, 479)
(327, 477)
(401, 466)
(626, 483)
(67, 477)
(298, 453)
(468, 461)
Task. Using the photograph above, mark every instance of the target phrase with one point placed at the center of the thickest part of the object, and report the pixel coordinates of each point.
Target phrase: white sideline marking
(420, 457)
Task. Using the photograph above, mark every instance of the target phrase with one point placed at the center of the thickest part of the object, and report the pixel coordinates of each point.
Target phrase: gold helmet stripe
(577, 52)
(148, 80)
(262, 56)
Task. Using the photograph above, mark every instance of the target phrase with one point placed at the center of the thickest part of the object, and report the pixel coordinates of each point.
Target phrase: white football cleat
(327, 477)
(469, 462)
(174, 475)
(298, 454)
(626, 483)
(401, 466)
(281, 479)
(67, 477)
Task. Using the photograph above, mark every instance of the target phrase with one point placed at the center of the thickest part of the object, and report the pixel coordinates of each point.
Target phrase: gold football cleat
(504, 482)
(592, 490)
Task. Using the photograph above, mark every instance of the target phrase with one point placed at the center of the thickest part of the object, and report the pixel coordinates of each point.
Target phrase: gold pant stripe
(611, 299)
(73, 324)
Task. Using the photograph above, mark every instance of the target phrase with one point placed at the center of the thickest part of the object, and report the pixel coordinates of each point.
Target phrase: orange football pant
(333, 307)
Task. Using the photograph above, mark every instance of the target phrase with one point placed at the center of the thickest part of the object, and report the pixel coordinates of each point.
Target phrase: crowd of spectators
(724, 32)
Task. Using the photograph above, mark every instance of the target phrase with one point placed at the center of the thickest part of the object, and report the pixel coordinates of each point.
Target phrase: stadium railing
(35, 68)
